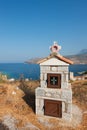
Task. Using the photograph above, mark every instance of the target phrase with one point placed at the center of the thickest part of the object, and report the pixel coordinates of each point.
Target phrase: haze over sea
(32, 71)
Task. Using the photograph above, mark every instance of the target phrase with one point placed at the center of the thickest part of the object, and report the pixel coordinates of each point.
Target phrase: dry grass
(21, 104)
(80, 93)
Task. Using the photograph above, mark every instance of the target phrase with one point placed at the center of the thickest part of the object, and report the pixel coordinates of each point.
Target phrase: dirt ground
(17, 108)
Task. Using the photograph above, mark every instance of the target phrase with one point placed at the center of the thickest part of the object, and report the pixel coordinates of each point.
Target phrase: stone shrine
(54, 96)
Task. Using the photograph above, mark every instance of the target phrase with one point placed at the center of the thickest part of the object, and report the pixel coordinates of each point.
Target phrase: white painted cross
(54, 80)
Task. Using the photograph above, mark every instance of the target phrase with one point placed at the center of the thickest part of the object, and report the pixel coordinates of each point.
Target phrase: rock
(9, 122)
(13, 93)
(29, 126)
(11, 80)
(3, 127)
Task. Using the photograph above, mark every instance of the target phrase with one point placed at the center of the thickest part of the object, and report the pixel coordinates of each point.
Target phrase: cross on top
(55, 47)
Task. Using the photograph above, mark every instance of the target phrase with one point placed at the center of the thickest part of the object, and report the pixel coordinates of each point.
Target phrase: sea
(32, 71)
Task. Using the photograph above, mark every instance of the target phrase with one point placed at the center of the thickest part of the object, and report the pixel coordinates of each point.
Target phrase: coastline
(32, 71)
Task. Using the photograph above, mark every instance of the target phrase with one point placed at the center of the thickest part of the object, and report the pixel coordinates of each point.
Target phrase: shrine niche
(54, 96)
(53, 80)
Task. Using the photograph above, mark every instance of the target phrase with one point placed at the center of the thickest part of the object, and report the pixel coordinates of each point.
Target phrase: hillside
(78, 59)
(17, 108)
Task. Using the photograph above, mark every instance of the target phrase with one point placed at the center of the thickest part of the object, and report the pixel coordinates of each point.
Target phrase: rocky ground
(17, 108)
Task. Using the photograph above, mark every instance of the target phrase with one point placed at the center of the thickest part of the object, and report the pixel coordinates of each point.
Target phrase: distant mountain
(33, 60)
(84, 51)
(80, 58)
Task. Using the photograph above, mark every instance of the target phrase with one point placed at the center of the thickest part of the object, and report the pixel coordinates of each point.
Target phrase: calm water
(14, 70)
(78, 68)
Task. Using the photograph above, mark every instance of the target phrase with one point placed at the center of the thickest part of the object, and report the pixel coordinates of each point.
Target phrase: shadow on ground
(3, 127)
(29, 96)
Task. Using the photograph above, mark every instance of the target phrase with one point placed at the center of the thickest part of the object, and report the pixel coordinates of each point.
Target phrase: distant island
(80, 58)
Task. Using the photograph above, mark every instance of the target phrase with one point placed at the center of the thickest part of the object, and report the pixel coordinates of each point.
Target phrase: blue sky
(29, 27)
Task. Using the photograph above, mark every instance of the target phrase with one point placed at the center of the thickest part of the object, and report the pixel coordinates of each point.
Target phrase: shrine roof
(59, 57)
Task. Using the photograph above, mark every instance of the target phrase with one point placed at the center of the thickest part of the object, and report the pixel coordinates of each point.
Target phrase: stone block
(54, 69)
(43, 84)
(67, 95)
(41, 101)
(59, 69)
(52, 93)
(63, 106)
(64, 85)
(65, 77)
(37, 102)
(39, 106)
(39, 110)
(63, 68)
(44, 68)
(40, 92)
(41, 76)
(45, 77)
(66, 116)
(69, 108)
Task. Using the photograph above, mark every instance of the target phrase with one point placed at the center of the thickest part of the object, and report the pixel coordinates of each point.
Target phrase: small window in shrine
(54, 80)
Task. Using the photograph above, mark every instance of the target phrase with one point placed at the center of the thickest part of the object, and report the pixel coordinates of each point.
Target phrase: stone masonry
(54, 65)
